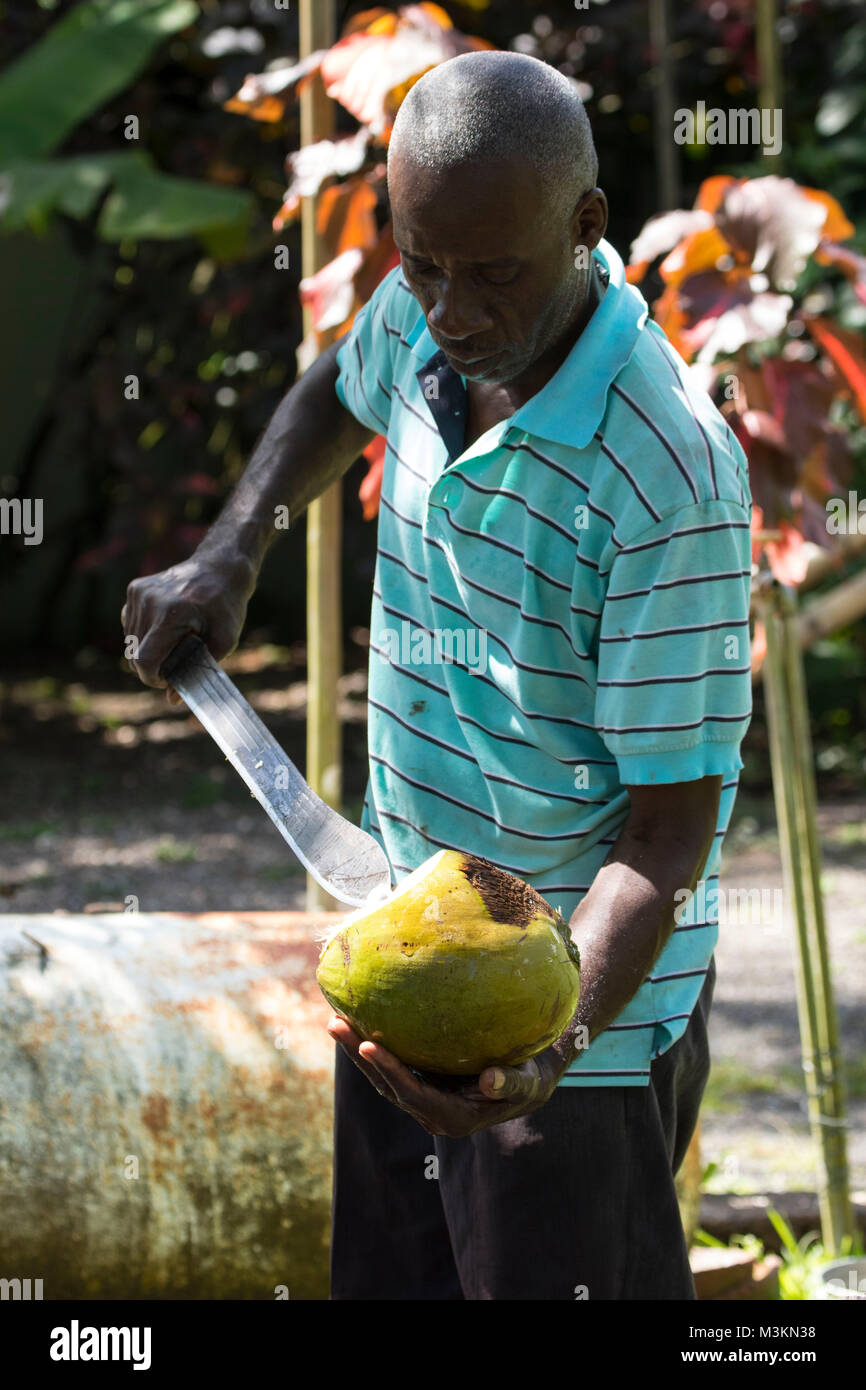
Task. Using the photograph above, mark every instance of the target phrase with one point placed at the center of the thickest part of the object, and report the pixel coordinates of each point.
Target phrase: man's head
(491, 173)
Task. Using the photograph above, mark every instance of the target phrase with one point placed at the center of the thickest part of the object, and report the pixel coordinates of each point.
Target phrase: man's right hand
(202, 595)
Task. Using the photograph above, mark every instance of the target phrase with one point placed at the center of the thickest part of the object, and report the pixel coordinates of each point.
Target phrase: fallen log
(165, 1106)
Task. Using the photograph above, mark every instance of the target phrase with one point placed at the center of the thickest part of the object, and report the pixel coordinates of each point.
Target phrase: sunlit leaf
(698, 251)
(309, 166)
(330, 293)
(367, 64)
(346, 216)
(660, 234)
(763, 316)
(788, 557)
(712, 191)
(773, 224)
(378, 260)
(265, 95)
(836, 226)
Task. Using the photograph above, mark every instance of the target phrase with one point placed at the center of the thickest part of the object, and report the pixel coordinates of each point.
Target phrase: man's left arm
(623, 924)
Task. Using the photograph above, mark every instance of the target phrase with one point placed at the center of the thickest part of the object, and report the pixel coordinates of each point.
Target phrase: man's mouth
(473, 361)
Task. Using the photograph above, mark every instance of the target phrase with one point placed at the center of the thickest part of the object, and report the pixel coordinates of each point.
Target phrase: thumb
(506, 1083)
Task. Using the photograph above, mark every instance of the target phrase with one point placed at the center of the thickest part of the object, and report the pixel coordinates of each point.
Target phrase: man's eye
(501, 275)
(420, 267)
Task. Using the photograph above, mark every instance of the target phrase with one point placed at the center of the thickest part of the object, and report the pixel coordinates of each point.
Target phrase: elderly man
(562, 502)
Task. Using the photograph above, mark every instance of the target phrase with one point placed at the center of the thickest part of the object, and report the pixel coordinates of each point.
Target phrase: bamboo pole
(324, 516)
(667, 165)
(841, 606)
(769, 67)
(794, 795)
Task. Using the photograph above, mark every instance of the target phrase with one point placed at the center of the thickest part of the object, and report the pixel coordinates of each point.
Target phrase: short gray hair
(495, 104)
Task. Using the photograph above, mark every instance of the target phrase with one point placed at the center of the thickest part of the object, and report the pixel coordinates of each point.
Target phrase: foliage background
(129, 486)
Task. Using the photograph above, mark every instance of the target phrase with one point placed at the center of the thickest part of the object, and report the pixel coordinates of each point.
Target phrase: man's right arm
(310, 442)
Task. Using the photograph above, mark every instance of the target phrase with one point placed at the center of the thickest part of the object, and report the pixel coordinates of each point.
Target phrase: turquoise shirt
(559, 611)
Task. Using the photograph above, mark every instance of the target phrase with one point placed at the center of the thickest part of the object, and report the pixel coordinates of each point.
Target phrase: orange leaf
(346, 216)
(788, 557)
(264, 108)
(330, 293)
(759, 647)
(366, 65)
(694, 254)
(288, 212)
(712, 191)
(756, 525)
(845, 348)
(394, 98)
(671, 319)
(836, 226)
(635, 273)
(370, 490)
(381, 258)
(436, 13)
(849, 262)
(365, 19)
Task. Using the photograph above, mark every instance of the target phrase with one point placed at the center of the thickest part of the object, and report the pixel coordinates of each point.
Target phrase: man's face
(490, 264)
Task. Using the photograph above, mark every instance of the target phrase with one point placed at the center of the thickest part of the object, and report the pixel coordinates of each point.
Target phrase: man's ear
(589, 219)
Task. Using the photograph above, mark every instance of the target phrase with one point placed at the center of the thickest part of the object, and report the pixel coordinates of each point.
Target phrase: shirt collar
(569, 407)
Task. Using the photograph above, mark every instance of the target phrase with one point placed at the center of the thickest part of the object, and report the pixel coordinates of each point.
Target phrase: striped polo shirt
(559, 610)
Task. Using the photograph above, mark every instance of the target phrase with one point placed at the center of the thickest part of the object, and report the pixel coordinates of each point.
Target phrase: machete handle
(189, 651)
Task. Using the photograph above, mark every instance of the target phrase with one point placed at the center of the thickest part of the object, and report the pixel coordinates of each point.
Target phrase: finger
(510, 1083)
(405, 1085)
(156, 646)
(349, 1041)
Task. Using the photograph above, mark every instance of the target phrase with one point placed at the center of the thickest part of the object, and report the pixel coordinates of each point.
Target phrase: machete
(346, 861)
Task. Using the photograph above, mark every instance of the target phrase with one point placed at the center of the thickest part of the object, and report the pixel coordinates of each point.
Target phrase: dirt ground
(109, 793)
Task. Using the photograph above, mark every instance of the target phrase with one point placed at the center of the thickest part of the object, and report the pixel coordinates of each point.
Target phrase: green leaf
(783, 1231)
(34, 189)
(85, 58)
(145, 203)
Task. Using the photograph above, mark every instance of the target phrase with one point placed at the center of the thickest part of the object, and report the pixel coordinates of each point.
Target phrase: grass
(173, 852)
(27, 830)
(728, 1081)
(277, 873)
(802, 1260)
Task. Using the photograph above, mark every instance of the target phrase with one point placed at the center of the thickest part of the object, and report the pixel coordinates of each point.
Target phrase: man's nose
(456, 313)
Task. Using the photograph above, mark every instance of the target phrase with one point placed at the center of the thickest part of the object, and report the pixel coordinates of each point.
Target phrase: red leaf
(370, 490)
(845, 349)
(788, 557)
(759, 647)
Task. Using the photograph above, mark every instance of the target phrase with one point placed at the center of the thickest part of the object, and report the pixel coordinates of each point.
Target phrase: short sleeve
(365, 360)
(674, 696)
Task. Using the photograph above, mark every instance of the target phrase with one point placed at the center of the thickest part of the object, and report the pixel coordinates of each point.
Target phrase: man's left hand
(501, 1093)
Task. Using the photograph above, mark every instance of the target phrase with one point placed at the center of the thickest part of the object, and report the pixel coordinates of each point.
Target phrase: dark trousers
(576, 1201)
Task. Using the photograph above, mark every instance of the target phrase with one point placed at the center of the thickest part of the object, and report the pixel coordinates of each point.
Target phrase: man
(565, 522)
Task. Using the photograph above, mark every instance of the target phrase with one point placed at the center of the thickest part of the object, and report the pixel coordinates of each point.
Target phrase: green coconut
(464, 966)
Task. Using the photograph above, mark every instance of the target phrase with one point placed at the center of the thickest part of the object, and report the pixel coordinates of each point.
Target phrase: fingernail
(498, 1080)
